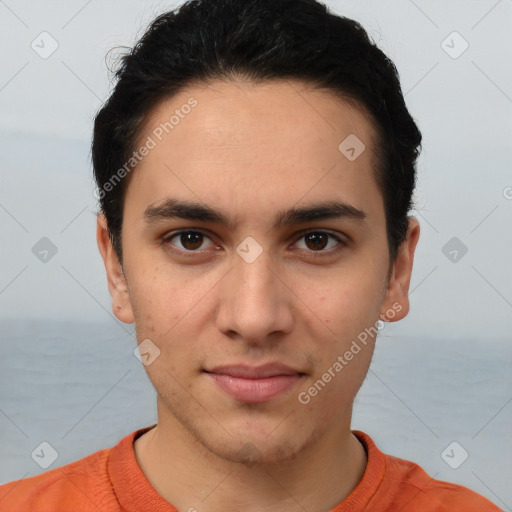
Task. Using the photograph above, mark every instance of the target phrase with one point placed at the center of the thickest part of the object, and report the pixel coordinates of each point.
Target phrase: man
(255, 166)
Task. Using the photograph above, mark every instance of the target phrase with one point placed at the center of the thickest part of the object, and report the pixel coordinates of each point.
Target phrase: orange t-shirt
(110, 480)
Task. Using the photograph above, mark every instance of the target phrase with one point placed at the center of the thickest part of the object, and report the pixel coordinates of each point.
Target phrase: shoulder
(401, 484)
(431, 494)
(81, 486)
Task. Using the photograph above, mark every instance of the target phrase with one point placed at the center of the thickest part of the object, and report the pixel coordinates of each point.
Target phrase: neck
(190, 477)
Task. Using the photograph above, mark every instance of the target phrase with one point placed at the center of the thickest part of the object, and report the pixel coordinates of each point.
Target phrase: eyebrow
(174, 208)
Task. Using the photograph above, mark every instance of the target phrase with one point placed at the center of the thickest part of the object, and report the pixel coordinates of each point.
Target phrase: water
(79, 387)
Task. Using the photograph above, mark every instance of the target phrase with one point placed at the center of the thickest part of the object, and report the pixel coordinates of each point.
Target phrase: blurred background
(439, 391)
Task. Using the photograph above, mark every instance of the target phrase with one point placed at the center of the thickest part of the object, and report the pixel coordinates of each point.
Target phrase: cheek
(161, 297)
(347, 303)
(338, 376)
(345, 325)
(171, 309)
(154, 312)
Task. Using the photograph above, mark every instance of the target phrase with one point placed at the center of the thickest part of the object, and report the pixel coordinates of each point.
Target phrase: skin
(252, 151)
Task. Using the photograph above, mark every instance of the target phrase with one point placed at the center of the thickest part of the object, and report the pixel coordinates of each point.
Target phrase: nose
(255, 302)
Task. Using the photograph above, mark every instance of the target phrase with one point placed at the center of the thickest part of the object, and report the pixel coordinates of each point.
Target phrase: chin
(258, 441)
(249, 434)
(254, 452)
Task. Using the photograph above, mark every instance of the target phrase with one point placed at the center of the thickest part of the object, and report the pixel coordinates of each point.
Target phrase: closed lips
(248, 384)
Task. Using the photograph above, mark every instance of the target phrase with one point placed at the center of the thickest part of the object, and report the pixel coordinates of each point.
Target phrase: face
(254, 258)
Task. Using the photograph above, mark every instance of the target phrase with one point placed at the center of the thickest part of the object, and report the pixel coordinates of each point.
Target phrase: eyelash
(341, 244)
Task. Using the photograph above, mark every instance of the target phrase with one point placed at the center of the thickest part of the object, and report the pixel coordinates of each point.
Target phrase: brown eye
(192, 240)
(187, 241)
(320, 242)
(316, 241)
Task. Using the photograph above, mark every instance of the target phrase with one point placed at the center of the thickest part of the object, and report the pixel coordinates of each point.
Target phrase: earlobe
(121, 305)
(396, 304)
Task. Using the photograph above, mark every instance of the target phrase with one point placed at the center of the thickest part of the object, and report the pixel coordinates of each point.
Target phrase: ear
(396, 302)
(121, 305)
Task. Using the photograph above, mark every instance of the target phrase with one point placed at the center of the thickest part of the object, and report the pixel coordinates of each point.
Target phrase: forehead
(273, 143)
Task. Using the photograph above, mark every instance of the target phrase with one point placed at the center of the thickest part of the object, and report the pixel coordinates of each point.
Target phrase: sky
(54, 76)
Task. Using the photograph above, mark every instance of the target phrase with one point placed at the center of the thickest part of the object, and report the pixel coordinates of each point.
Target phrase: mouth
(251, 384)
